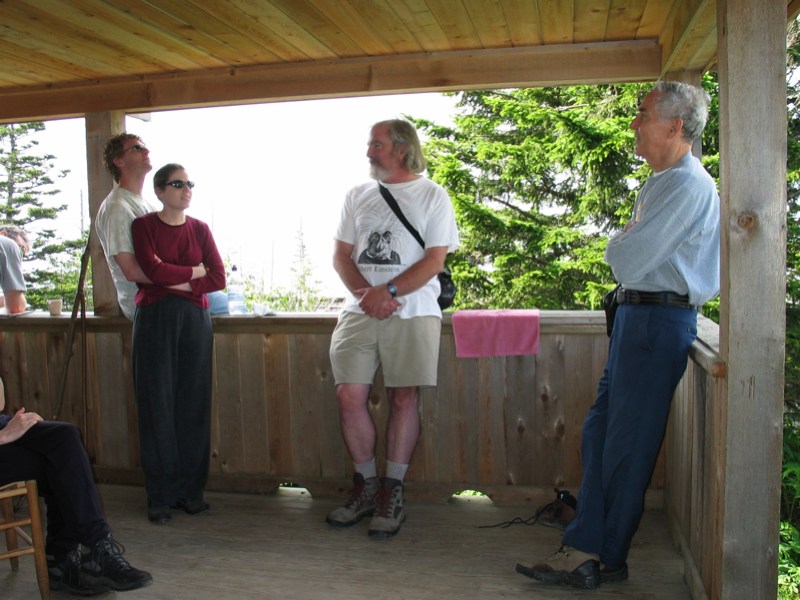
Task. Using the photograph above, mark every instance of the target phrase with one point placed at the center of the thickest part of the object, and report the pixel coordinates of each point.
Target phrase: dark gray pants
(51, 452)
(172, 355)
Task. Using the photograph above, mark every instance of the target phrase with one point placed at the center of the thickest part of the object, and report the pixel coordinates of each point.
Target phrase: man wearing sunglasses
(128, 160)
(14, 245)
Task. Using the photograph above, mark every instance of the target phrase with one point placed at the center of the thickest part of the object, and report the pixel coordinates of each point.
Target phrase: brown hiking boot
(559, 512)
(566, 566)
(360, 503)
(389, 509)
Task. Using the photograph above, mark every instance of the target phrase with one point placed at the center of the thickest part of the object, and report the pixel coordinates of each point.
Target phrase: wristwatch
(392, 289)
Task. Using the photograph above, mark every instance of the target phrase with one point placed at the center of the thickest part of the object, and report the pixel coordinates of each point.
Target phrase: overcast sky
(263, 172)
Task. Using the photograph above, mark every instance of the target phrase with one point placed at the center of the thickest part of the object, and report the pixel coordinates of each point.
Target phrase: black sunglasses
(179, 185)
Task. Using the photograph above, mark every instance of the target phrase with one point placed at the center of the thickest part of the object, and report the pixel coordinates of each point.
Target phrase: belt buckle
(627, 296)
(633, 297)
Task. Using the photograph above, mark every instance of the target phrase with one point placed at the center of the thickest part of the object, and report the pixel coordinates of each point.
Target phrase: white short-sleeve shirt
(383, 247)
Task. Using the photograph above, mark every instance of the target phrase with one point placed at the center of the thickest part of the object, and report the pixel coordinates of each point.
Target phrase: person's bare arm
(421, 272)
(18, 426)
(373, 299)
(130, 267)
(381, 306)
(346, 268)
(14, 301)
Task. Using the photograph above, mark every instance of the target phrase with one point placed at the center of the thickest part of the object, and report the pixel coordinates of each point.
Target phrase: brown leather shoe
(559, 512)
(567, 566)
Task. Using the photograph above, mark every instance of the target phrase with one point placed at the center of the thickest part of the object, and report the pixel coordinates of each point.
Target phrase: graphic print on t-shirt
(379, 250)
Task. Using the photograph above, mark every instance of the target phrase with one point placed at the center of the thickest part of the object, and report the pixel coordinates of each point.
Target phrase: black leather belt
(664, 298)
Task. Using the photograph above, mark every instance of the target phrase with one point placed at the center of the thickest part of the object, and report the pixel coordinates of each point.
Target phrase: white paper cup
(54, 306)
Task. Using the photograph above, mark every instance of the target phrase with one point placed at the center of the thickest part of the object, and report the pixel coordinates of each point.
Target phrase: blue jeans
(172, 350)
(623, 431)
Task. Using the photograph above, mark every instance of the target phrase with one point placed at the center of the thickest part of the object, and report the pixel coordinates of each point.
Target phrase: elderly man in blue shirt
(666, 261)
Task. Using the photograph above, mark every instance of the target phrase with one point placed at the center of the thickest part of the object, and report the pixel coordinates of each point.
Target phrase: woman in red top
(172, 347)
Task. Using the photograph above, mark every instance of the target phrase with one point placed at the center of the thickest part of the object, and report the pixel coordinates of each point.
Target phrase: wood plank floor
(278, 547)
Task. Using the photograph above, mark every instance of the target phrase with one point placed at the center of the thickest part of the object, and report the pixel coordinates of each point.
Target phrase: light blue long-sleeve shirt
(672, 242)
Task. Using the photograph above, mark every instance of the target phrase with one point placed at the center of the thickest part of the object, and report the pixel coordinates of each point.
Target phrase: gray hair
(19, 235)
(403, 133)
(689, 102)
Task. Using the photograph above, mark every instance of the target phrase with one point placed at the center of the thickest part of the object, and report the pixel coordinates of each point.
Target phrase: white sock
(396, 470)
(367, 469)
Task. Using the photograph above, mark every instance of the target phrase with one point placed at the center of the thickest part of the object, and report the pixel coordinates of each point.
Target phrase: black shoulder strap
(387, 195)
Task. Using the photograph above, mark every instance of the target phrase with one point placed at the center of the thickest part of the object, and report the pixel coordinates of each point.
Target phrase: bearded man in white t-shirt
(128, 160)
(391, 319)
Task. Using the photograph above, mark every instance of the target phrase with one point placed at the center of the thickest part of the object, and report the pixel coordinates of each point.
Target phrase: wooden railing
(508, 426)
(695, 454)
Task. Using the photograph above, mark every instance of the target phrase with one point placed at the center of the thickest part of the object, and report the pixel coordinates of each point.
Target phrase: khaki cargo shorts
(406, 349)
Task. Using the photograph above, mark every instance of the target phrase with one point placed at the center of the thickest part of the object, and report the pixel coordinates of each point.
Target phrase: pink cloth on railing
(495, 332)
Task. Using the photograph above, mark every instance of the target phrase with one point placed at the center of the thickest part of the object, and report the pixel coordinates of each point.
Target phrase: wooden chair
(34, 543)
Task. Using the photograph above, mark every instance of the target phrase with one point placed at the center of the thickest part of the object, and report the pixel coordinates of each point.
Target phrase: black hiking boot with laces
(106, 566)
(64, 571)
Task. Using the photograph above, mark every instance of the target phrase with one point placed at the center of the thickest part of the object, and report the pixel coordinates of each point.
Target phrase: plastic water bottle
(237, 303)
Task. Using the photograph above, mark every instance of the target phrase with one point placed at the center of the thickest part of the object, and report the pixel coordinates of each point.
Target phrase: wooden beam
(461, 70)
(681, 38)
(752, 115)
(792, 10)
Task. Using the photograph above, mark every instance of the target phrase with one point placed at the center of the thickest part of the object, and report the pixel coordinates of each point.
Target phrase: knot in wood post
(747, 221)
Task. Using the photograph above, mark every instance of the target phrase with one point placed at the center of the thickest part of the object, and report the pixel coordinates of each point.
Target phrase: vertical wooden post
(99, 128)
(752, 73)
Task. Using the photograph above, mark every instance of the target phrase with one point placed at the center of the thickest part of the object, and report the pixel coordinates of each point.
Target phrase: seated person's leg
(62, 545)
(52, 453)
(67, 481)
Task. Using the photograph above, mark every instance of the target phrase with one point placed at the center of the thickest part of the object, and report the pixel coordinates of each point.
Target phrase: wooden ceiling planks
(346, 18)
(524, 22)
(685, 33)
(455, 22)
(557, 20)
(221, 38)
(52, 51)
(624, 18)
(102, 25)
(425, 28)
(384, 20)
(591, 18)
(313, 19)
(490, 24)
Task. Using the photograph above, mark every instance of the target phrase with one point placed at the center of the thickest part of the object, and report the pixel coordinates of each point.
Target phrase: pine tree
(538, 177)
(303, 295)
(26, 186)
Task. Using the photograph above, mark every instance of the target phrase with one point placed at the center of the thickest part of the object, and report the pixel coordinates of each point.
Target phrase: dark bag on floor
(610, 306)
(448, 286)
